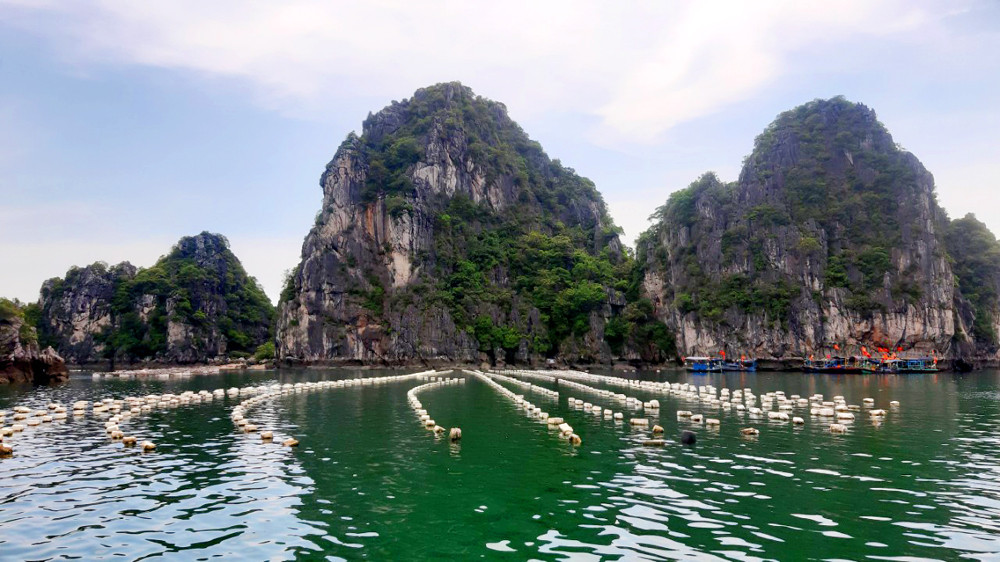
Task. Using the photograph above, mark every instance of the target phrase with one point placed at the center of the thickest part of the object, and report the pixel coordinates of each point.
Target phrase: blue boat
(703, 364)
(743, 365)
(919, 365)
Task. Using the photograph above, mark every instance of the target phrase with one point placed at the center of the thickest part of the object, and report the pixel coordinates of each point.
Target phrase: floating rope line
(587, 406)
(548, 393)
(532, 411)
(425, 419)
(775, 406)
(276, 390)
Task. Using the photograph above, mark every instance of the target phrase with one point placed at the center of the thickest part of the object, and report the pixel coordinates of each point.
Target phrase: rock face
(20, 357)
(78, 309)
(975, 254)
(196, 304)
(447, 234)
(831, 236)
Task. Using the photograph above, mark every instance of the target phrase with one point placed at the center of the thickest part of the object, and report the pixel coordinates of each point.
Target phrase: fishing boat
(891, 366)
(703, 364)
(894, 365)
(871, 365)
(743, 365)
(836, 365)
(918, 365)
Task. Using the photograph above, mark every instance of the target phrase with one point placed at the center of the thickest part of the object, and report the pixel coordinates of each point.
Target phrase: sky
(125, 125)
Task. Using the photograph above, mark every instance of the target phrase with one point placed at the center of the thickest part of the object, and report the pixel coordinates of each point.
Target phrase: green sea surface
(369, 482)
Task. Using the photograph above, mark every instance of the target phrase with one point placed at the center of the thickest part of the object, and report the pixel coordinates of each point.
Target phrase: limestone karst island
(626, 344)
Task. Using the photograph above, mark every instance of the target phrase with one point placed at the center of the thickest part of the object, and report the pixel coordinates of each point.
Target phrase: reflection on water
(368, 482)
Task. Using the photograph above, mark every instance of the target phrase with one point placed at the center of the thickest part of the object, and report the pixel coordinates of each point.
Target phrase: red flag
(900, 348)
(827, 355)
(837, 347)
(722, 353)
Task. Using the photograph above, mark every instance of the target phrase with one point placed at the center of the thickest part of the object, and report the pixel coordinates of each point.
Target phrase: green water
(369, 482)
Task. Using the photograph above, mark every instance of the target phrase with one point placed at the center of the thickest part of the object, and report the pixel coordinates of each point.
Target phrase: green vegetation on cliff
(520, 250)
(27, 313)
(708, 294)
(975, 254)
(825, 188)
(193, 303)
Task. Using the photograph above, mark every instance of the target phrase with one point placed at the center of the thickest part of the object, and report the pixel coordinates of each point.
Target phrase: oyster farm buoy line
(696, 405)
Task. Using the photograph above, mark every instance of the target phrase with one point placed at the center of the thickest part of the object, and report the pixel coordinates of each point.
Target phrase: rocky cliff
(77, 309)
(196, 304)
(447, 234)
(975, 255)
(21, 359)
(831, 235)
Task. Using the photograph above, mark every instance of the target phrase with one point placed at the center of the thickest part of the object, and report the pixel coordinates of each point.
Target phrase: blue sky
(126, 125)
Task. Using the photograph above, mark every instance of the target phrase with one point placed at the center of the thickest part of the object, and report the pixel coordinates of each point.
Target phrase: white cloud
(641, 68)
(636, 70)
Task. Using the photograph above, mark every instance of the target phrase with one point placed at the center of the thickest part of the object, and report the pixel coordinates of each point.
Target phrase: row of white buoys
(259, 394)
(116, 412)
(162, 373)
(595, 409)
(629, 401)
(565, 430)
(266, 393)
(775, 405)
(455, 433)
(548, 393)
(532, 375)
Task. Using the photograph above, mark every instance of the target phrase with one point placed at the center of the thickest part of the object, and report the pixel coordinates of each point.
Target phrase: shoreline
(793, 365)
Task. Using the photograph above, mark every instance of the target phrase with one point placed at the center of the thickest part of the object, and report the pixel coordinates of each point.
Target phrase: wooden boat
(703, 364)
(895, 365)
(871, 365)
(918, 365)
(891, 366)
(835, 365)
(742, 365)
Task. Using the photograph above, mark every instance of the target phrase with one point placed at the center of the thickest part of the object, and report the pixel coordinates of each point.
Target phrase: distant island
(447, 235)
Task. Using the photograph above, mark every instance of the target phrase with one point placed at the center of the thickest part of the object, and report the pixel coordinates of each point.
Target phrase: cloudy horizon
(124, 126)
